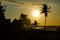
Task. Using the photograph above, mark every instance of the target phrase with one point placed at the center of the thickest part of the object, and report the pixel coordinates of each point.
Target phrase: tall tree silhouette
(45, 11)
(2, 17)
(25, 21)
(21, 24)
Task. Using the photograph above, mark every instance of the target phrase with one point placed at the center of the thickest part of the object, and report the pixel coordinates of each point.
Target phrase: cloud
(36, 1)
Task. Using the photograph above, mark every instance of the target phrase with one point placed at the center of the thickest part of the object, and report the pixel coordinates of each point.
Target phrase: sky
(15, 7)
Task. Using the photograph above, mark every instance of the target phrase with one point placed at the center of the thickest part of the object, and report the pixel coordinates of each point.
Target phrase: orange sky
(13, 10)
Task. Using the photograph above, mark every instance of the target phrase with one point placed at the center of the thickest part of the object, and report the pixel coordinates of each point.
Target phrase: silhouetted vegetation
(16, 25)
(23, 23)
(21, 29)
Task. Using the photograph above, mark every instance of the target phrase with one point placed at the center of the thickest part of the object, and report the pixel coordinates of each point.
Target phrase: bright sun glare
(36, 13)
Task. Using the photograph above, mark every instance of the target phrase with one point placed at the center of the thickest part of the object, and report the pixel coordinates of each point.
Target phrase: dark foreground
(30, 35)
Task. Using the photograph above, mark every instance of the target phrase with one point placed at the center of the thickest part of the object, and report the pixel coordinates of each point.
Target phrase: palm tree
(45, 11)
(35, 24)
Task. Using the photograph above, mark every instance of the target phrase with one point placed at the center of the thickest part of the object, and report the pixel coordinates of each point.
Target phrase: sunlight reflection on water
(47, 28)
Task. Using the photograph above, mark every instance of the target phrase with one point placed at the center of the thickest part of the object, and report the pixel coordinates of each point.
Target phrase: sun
(36, 13)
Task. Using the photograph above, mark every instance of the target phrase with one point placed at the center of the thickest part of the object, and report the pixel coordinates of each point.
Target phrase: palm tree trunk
(45, 22)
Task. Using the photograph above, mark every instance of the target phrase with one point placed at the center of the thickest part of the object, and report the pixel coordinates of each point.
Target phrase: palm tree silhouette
(45, 11)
